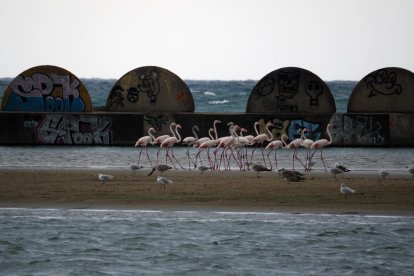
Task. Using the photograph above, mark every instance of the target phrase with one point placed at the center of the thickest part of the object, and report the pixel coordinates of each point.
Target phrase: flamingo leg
(148, 157)
(176, 160)
(139, 156)
(323, 161)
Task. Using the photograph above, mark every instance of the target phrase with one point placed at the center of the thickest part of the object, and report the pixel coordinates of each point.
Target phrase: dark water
(122, 242)
(209, 96)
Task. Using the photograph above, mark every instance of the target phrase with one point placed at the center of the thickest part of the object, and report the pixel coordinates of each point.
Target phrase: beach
(212, 191)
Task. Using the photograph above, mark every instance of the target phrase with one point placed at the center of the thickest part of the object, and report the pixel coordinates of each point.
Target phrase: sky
(207, 39)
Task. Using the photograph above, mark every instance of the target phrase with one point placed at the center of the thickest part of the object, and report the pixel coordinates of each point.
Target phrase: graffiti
(75, 130)
(291, 127)
(39, 92)
(156, 121)
(314, 132)
(288, 84)
(148, 84)
(30, 124)
(116, 98)
(382, 82)
(359, 130)
(313, 89)
(264, 87)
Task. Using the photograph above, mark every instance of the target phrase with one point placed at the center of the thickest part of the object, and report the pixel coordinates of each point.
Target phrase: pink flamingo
(295, 144)
(169, 143)
(190, 141)
(143, 142)
(322, 143)
(260, 139)
(240, 143)
(275, 145)
(161, 139)
(307, 143)
(225, 143)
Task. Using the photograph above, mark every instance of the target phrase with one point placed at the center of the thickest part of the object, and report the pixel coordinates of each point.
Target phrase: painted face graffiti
(383, 82)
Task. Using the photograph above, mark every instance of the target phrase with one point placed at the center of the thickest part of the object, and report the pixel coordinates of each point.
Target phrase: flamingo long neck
(255, 128)
(151, 132)
(171, 128)
(195, 127)
(211, 135)
(328, 131)
(215, 129)
(270, 133)
(178, 134)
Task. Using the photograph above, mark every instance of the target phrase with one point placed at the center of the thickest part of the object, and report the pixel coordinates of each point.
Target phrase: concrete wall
(123, 129)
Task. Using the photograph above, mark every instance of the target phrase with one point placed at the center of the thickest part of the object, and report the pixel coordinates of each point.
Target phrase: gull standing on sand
(346, 190)
(383, 173)
(203, 168)
(104, 177)
(336, 171)
(134, 167)
(163, 181)
(160, 169)
(342, 167)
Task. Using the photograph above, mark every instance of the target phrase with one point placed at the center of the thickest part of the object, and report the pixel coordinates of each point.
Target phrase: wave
(209, 93)
(218, 102)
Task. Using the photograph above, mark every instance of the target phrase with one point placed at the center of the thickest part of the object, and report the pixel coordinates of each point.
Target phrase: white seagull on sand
(135, 167)
(104, 177)
(203, 168)
(163, 181)
(346, 190)
(383, 174)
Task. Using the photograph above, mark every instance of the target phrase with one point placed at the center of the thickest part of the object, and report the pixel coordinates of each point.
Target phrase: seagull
(342, 167)
(346, 190)
(411, 171)
(336, 171)
(160, 169)
(135, 167)
(383, 173)
(203, 168)
(260, 168)
(163, 181)
(104, 177)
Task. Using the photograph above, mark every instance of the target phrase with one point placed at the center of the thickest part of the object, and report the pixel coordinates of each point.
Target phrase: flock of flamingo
(219, 152)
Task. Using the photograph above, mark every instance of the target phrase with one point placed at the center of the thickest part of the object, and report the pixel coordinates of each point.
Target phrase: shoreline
(232, 191)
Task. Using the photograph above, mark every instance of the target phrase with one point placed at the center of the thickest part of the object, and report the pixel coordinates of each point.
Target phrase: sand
(218, 191)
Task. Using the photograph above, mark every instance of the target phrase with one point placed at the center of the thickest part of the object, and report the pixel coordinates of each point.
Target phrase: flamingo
(161, 139)
(144, 142)
(275, 145)
(307, 143)
(322, 143)
(189, 141)
(225, 143)
(260, 139)
(295, 144)
(169, 143)
(205, 139)
(240, 143)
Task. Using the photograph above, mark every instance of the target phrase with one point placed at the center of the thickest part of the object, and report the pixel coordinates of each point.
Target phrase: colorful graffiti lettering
(74, 130)
(45, 93)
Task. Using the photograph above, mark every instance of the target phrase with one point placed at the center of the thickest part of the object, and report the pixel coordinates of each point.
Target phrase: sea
(71, 241)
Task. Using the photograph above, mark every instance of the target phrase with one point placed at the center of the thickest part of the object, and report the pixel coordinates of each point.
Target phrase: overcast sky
(207, 39)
